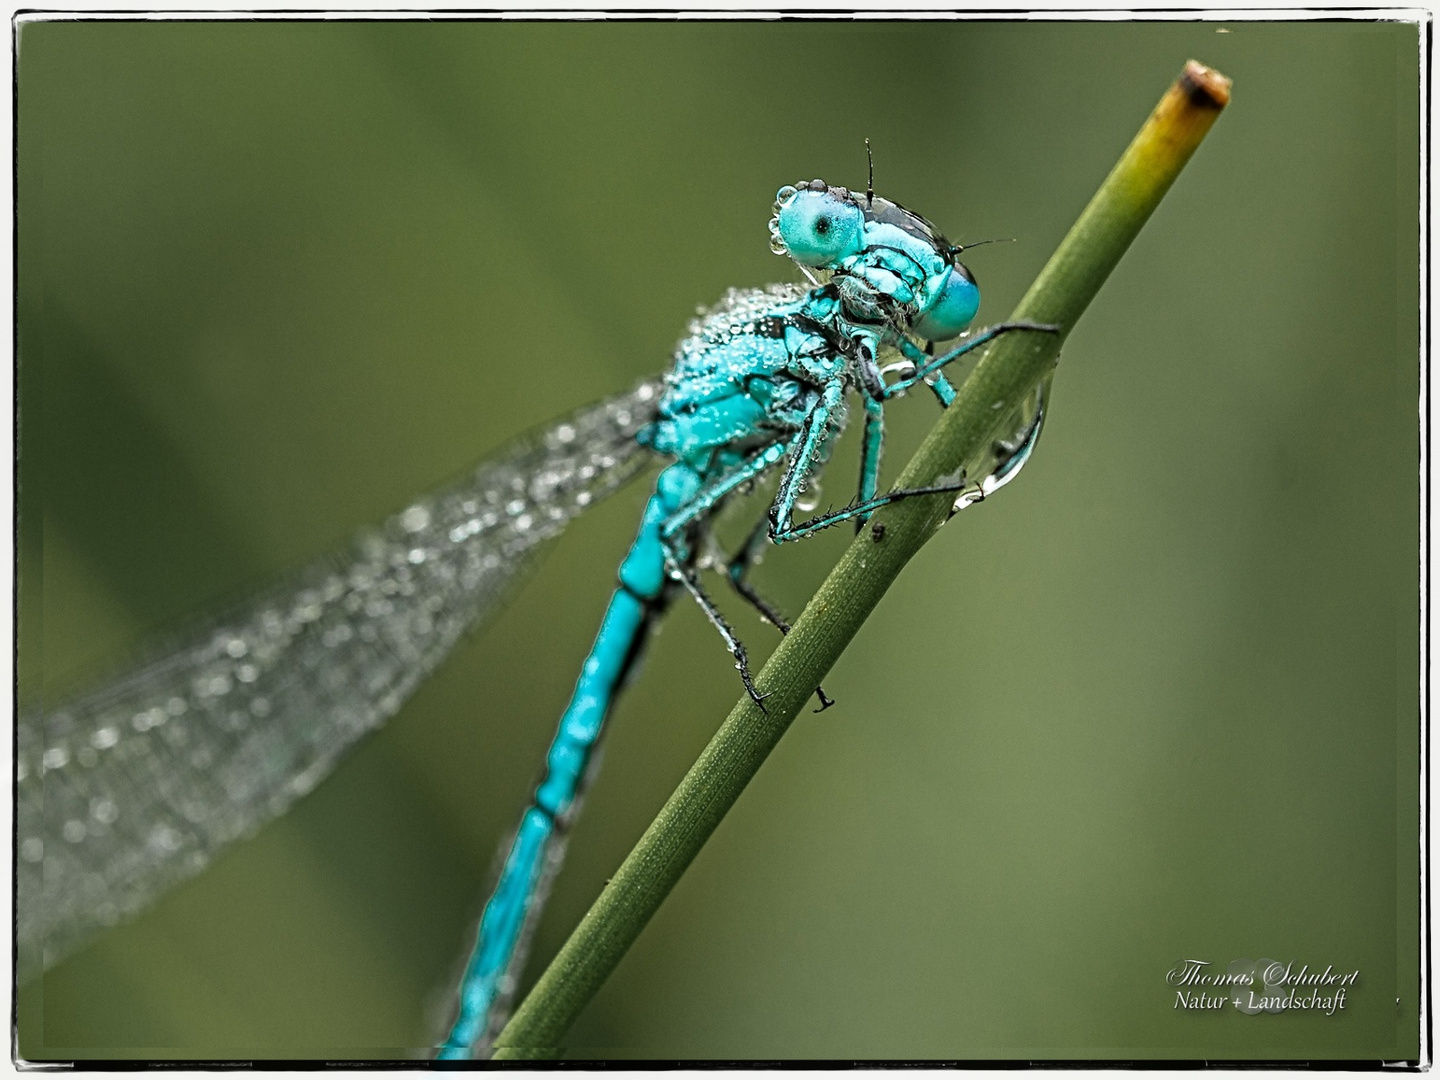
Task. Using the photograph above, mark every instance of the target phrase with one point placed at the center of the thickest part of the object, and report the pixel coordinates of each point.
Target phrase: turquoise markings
(257, 705)
(502, 926)
(762, 379)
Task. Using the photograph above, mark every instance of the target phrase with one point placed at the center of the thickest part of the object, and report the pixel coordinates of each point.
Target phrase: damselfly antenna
(870, 180)
(956, 249)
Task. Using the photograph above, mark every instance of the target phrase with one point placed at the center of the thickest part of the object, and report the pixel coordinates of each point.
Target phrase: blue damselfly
(136, 785)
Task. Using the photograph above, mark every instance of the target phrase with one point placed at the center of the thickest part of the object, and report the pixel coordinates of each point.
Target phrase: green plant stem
(1006, 375)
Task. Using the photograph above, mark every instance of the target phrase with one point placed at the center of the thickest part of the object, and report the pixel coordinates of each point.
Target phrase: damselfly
(134, 786)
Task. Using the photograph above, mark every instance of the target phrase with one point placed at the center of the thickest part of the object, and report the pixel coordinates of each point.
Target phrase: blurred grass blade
(1007, 374)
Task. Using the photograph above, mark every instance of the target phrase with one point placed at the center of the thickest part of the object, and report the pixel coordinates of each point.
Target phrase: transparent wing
(133, 787)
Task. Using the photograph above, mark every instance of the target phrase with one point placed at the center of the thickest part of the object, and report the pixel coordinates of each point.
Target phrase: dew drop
(415, 519)
(164, 838)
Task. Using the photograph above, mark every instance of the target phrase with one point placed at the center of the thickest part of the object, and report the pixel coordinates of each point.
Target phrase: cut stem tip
(1204, 86)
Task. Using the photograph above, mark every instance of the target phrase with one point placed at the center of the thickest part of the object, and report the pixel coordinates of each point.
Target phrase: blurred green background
(1157, 702)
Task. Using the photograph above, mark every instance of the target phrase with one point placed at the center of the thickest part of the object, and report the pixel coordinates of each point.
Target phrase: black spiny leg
(824, 521)
(686, 575)
(735, 571)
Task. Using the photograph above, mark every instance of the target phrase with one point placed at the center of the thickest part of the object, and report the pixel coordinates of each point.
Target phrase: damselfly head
(891, 263)
(820, 225)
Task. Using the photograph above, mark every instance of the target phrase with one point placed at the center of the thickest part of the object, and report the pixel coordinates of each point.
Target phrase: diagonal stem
(1009, 372)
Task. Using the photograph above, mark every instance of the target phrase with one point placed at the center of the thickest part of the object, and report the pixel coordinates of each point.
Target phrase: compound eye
(953, 308)
(819, 230)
